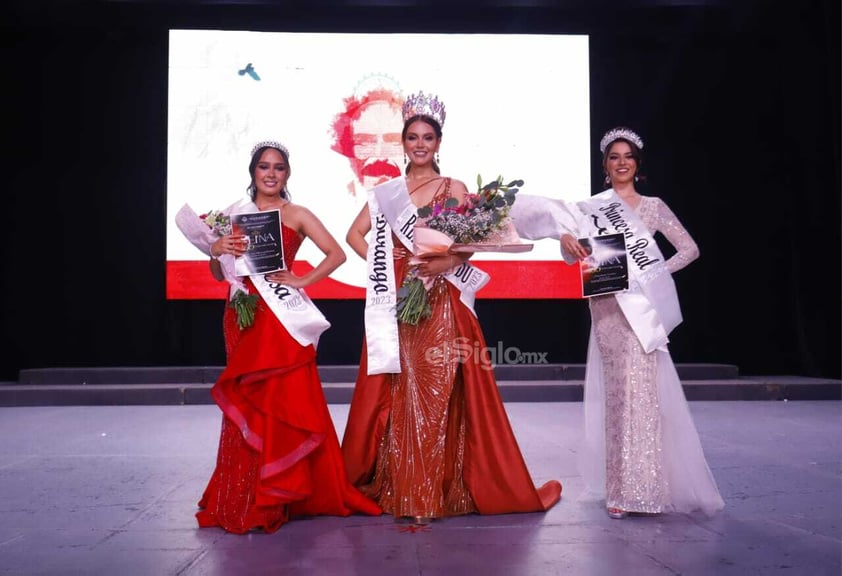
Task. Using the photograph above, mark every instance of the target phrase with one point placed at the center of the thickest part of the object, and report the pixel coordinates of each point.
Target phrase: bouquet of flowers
(218, 221)
(483, 218)
(243, 304)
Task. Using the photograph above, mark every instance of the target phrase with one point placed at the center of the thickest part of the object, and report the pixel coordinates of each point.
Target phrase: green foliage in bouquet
(244, 305)
(499, 194)
(412, 304)
(481, 215)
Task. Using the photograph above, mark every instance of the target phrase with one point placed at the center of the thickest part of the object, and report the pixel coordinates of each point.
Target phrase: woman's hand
(230, 244)
(287, 278)
(571, 246)
(435, 264)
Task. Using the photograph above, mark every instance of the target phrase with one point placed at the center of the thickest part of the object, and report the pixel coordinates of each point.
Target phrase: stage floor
(111, 490)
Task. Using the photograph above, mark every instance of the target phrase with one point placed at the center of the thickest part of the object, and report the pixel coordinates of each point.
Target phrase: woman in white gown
(642, 452)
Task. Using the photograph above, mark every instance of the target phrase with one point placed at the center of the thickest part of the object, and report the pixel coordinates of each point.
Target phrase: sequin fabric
(230, 497)
(234, 495)
(421, 457)
(657, 216)
(635, 478)
(420, 460)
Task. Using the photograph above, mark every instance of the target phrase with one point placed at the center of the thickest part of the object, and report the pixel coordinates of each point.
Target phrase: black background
(738, 102)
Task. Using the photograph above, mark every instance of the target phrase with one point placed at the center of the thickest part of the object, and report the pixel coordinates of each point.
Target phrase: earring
(404, 160)
(636, 179)
(607, 180)
(437, 158)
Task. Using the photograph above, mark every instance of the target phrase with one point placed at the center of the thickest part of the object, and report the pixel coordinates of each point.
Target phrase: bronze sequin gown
(434, 440)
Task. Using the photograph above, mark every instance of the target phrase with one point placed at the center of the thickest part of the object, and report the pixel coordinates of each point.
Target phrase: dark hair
(426, 120)
(255, 158)
(636, 153)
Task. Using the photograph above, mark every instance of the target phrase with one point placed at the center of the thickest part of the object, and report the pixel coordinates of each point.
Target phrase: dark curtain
(739, 105)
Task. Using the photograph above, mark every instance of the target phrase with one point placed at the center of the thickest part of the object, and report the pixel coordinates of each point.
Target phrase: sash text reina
(258, 239)
(637, 249)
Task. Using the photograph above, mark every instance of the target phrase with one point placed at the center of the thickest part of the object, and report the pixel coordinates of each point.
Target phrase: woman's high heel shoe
(617, 513)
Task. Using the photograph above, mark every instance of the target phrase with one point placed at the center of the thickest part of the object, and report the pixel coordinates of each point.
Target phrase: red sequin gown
(278, 455)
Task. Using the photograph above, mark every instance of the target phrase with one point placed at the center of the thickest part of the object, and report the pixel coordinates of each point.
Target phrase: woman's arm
(686, 248)
(360, 227)
(308, 225)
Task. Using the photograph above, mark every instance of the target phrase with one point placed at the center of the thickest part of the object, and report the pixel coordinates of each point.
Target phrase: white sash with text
(651, 302)
(291, 306)
(391, 211)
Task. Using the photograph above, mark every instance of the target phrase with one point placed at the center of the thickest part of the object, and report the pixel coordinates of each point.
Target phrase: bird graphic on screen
(249, 69)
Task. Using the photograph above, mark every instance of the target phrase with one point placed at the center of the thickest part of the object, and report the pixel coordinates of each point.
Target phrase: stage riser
(328, 374)
(179, 385)
(755, 389)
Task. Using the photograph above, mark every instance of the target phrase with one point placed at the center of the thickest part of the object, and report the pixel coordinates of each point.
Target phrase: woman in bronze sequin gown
(432, 439)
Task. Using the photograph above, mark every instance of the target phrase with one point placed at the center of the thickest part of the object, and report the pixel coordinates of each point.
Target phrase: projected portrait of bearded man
(367, 132)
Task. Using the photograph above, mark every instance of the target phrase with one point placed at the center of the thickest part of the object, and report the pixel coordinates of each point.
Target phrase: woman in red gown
(428, 438)
(279, 455)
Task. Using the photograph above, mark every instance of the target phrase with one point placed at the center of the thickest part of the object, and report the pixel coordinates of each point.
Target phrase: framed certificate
(605, 270)
(265, 252)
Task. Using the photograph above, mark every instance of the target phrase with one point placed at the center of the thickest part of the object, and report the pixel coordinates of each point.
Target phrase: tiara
(270, 144)
(375, 82)
(618, 133)
(422, 105)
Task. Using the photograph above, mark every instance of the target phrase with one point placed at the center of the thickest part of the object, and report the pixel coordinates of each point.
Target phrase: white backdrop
(517, 105)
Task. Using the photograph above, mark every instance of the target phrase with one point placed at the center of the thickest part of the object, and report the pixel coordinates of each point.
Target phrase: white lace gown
(642, 451)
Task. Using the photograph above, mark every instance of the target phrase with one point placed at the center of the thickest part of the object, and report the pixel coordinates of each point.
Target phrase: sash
(381, 325)
(294, 309)
(392, 211)
(651, 302)
(291, 306)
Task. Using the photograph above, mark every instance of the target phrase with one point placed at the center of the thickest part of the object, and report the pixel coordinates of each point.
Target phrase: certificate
(265, 252)
(605, 270)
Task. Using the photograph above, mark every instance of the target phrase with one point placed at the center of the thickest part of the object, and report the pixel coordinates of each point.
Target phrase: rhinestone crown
(618, 133)
(424, 105)
(270, 144)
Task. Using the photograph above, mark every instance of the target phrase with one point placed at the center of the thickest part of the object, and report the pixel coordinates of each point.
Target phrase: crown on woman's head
(270, 144)
(617, 134)
(423, 105)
